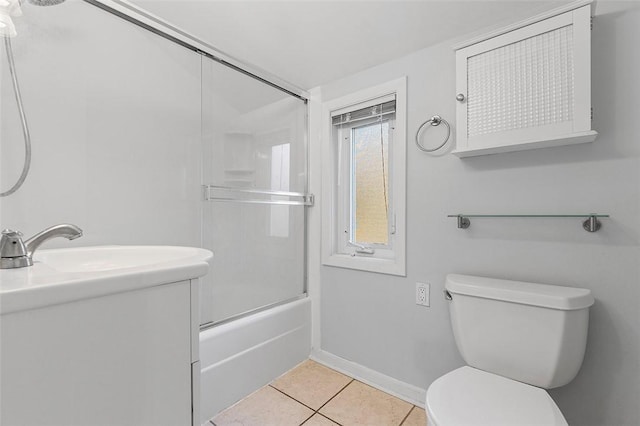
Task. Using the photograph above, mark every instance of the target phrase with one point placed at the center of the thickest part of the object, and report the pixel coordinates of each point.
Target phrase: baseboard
(395, 387)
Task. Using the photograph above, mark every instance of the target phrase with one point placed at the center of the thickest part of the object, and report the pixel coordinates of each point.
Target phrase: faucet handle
(11, 244)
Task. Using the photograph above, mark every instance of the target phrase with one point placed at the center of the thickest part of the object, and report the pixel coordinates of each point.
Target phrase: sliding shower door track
(250, 312)
(156, 25)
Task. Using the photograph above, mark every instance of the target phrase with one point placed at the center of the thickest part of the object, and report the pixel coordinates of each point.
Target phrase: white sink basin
(64, 275)
(113, 258)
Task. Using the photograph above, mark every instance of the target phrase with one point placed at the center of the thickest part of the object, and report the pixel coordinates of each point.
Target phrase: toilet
(517, 340)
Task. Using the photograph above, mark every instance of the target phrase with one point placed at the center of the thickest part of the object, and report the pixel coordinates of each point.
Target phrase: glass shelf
(529, 215)
(591, 224)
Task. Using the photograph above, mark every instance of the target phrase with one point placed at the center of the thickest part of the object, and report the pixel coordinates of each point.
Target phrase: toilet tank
(533, 333)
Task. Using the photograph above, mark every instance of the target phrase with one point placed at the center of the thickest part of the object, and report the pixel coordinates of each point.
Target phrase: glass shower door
(255, 181)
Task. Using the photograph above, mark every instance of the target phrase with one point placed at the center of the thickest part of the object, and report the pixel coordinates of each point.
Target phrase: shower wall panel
(114, 112)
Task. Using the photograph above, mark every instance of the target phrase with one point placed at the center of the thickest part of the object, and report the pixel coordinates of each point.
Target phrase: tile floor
(314, 395)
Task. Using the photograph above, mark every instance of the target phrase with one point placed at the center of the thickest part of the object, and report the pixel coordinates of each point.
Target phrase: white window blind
(381, 108)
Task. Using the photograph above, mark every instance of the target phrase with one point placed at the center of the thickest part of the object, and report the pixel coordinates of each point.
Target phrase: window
(363, 186)
(364, 180)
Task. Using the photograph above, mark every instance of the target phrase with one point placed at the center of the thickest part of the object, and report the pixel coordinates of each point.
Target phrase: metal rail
(591, 224)
(256, 196)
(158, 26)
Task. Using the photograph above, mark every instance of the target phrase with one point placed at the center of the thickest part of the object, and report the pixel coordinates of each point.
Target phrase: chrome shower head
(8, 9)
(45, 2)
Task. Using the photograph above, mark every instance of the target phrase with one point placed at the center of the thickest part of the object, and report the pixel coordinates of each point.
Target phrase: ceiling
(312, 42)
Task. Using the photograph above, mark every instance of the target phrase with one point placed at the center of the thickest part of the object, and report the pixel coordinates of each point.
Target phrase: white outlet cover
(422, 294)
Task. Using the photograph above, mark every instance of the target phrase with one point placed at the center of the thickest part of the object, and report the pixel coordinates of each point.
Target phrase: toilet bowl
(517, 340)
(468, 396)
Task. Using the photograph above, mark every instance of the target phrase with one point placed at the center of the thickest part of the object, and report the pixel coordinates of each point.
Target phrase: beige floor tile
(417, 417)
(311, 383)
(318, 420)
(359, 404)
(266, 407)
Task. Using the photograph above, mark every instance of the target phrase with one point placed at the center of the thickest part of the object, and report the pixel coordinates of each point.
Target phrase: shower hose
(23, 118)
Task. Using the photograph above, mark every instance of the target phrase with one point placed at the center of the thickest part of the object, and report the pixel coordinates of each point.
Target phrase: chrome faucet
(15, 253)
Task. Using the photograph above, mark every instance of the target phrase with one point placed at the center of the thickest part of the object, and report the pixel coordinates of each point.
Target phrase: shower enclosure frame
(143, 19)
(140, 17)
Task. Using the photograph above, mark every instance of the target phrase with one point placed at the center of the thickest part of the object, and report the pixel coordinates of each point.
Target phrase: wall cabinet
(526, 86)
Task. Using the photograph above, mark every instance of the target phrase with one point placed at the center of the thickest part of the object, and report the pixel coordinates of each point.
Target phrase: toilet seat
(468, 396)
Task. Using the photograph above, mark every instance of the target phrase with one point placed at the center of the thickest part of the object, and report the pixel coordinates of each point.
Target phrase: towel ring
(434, 121)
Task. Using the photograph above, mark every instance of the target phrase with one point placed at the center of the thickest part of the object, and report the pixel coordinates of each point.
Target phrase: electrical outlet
(422, 294)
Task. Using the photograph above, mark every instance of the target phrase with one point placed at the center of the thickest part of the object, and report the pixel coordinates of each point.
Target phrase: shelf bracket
(463, 222)
(592, 224)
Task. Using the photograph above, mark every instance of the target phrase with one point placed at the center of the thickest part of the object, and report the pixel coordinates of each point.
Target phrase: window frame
(335, 200)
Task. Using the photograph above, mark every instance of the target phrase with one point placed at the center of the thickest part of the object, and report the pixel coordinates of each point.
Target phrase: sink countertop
(65, 275)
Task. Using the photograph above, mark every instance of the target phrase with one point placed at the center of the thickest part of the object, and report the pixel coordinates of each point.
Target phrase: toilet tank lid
(543, 295)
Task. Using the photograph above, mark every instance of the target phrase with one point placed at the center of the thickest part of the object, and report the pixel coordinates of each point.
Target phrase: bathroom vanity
(102, 336)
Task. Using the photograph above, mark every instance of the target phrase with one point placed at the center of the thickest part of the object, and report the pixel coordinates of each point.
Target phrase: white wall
(114, 113)
(372, 319)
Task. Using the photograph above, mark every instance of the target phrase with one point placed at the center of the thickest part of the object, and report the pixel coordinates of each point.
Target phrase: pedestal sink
(102, 336)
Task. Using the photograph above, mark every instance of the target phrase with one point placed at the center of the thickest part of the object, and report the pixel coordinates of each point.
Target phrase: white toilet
(517, 339)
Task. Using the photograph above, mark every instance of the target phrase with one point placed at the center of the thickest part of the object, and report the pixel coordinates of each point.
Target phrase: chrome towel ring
(434, 121)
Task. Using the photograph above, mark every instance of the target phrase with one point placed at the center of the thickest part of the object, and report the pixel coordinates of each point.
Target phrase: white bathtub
(239, 357)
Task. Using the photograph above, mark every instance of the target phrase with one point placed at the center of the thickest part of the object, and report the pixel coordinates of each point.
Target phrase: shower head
(7, 28)
(45, 2)
(8, 8)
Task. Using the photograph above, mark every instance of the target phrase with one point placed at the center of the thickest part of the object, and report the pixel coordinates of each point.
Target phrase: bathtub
(239, 357)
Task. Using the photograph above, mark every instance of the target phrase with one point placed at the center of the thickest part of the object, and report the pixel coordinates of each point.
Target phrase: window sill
(366, 263)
